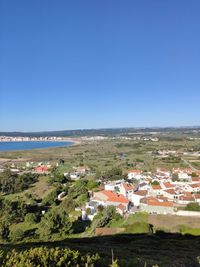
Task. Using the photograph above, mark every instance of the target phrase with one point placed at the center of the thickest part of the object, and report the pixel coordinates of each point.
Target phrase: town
(163, 192)
(137, 185)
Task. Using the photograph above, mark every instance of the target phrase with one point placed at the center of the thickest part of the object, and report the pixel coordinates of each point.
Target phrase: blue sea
(13, 146)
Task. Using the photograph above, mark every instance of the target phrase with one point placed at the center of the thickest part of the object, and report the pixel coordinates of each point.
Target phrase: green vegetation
(162, 249)
(104, 217)
(47, 257)
(12, 183)
(187, 230)
(136, 223)
(55, 221)
(155, 183)
(192, 207)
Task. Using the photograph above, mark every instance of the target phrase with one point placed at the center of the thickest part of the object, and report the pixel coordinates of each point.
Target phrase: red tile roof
(121, 207)
(168, 185)
(196, 179)
(162, 198)
(141, 192)
(158, 203)
(151, 201)
(195, 185)
(114, 197)
(128, 186)
(186, 170)
(171, 191)
(187, 198)
(156, 187)
(41, 168)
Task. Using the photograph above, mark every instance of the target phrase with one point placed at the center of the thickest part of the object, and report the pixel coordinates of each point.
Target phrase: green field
(104, 154)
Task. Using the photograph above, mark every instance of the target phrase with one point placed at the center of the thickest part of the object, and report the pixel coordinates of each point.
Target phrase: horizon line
(106, 128)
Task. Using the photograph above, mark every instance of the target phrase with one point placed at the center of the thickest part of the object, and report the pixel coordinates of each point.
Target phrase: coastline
(74, 141)
(15, 146)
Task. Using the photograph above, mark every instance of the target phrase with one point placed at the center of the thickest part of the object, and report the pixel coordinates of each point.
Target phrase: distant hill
(105, 132)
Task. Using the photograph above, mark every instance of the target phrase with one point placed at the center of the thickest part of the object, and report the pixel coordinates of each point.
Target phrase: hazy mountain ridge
(105, 131)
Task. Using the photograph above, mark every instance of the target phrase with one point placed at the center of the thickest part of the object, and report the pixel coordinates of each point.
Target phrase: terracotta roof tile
(195, 185)
(171, 191)
(121, 207)
(156, 187)
(114, 197)
(128, 186)
(168, 185)
(141, 192)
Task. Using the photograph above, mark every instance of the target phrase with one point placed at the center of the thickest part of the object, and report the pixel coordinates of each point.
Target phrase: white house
(143, 186)
(121, 209)
(185, 199)
(75, 175)
(137, 196)
(195, 187)
(171, 194)
(126, 189)
(182, 176)
(114, 186)
(166, 185)
(134, 174)
(110, 198)
(163, 172)
(155, 190)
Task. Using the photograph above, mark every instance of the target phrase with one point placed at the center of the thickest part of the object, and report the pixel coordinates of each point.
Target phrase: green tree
(192, 206)
(55, 221)
(114, 174)
(51, 198)
(104, 217)
(68, 205)
(4, 230)
(92, 185)
(155, 183)
(17, 235)
(79, 188)
(31, 218)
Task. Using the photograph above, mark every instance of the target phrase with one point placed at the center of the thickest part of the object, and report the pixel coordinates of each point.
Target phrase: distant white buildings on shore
(27, 138)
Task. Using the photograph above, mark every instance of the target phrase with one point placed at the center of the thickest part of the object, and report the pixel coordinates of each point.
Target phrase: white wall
(188, 213)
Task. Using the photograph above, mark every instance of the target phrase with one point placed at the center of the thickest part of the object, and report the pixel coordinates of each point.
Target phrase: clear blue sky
(99, 63)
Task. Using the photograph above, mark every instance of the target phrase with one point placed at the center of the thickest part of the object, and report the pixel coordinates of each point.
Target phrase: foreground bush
(47, 257)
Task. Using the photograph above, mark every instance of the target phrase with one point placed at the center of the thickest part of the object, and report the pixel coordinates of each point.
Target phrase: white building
(137, 196)
(184, 177)
(134, 174)
(126, 189)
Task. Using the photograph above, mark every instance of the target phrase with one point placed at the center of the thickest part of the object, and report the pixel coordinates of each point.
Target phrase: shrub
(4, 230)
(43, 256)
(192, 207)
(31, 218)
(137, 228)
(17, 235)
